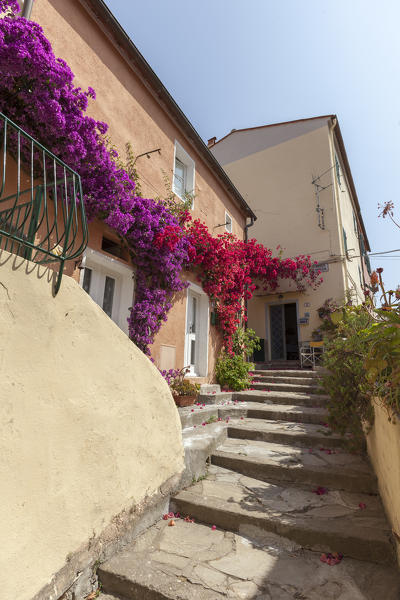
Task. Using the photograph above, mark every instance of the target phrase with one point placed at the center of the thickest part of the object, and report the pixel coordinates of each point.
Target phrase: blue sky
(241, 63)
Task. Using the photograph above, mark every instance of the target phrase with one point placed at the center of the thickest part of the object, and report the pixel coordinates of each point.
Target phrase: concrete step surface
(190, 561)
(291, 380)
(197, 415)
(260, 527)
(276, 462)
(285, 387)
(332, 522)
(286, 373)
(308, 435)
(285, 412)
(281, 397)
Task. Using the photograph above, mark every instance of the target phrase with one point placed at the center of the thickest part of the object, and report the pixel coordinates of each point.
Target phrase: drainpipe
(26, 11)
(246, 228)
(246, 237)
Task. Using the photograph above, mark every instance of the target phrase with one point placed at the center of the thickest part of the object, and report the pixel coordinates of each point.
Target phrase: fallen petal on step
(362, 505)
(171, 523)
(320, 491)
(214, 527)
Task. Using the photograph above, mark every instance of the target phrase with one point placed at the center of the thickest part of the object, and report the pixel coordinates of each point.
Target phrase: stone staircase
(280, 492)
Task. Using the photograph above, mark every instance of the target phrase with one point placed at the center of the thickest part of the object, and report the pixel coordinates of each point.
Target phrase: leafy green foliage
(232, 370)
(245, 342)
(346, 382)
(382, 362)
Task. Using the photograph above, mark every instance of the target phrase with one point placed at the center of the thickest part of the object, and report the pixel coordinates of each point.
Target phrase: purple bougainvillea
(37, 92)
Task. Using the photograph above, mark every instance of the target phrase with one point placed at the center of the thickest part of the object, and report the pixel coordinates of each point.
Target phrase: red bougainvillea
(230, 270)
(37, 91)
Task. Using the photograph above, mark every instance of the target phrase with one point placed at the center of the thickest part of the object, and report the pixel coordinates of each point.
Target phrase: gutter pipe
(246, 237)
(27, 10)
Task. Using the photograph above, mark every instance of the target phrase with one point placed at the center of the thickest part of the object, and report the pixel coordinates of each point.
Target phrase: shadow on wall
(89, 435)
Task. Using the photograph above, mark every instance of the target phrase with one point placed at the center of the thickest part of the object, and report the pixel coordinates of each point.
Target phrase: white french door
(109, 283)
(192, 323)
(104, 289)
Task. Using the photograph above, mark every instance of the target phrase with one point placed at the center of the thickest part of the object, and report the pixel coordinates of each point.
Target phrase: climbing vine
(37, 91)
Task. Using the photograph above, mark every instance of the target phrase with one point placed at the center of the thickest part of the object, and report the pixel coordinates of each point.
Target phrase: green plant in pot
(184, 392)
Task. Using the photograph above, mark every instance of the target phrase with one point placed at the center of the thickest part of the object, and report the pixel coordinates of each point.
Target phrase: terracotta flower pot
(185, 400)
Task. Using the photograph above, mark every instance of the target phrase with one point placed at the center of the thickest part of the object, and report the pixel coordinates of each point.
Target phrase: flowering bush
(229, 268)
(180, 386)
(232, 370)
(363, 361)
(37, 91)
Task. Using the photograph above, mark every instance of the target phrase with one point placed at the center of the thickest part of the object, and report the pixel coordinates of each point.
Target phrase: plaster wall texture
(130, 108)
(89, 427)
(274, 172)
(135, 115)
(383, 443)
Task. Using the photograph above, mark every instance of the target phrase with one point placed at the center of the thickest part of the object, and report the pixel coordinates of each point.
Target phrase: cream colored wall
(89, 427)
(353, 263)
(384, 450)
(276, 182)
(273, 167)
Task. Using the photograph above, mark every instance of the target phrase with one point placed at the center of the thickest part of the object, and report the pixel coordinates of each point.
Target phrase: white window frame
(202, 333)
(228, 222)
(124, 282)
(190, 171)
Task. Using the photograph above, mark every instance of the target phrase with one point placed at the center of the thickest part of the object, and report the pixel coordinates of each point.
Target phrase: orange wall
(130, 109)
(134, 115)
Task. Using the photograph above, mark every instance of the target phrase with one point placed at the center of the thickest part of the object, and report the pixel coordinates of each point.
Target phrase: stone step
(191, 561)
(285, 412)
(197, 415)
(307, 435)
(286, 373)
(215, 398)
(332, 522)
(275, 365)
(275, 462)
(274, 397)
(285, 387)
(109, 597)
(311, 381)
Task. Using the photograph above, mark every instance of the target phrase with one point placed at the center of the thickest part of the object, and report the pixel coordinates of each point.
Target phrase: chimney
(211, 142)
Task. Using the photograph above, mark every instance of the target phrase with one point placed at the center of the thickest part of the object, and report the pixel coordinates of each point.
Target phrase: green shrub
(346, 382)
(232, 372)
(245, 342)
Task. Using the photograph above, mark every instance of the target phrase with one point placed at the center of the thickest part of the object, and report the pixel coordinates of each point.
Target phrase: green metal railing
(42, 215)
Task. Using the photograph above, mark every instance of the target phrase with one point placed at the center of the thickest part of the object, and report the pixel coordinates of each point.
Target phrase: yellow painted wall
(273, 168)
(89, 428)
(383, 444)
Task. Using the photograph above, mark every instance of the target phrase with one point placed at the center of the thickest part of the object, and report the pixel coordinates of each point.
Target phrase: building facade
(170, 157)
(297, 179)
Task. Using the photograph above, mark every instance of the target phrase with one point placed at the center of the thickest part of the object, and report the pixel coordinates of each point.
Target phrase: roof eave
(343, 153)
(124, 45)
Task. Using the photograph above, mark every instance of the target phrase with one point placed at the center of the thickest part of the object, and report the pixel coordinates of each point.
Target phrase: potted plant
(184, 392)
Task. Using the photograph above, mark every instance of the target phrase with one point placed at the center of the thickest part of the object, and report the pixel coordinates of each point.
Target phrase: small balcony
(42, 215)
